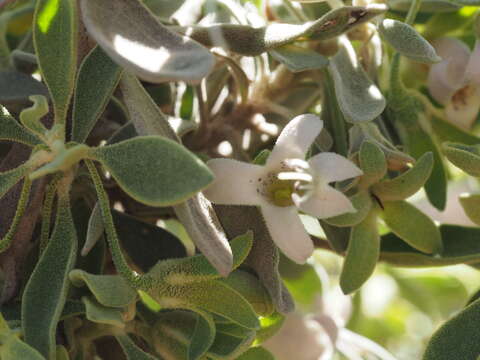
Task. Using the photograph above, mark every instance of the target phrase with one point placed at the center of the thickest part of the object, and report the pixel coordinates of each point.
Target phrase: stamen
(297, 163)
(296, 176)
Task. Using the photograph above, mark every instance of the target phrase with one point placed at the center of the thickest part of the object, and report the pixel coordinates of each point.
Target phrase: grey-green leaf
(11, 177)
(154, 170)
(109, 290)
(136, 40)
(406, 184)
(97, 78)
(362, 202)
(46, 290)
(359, 98)
(408, 42)
(465, 157)
(471, 206)
(15, 349)
(100, 314)
(297, 58)
(362, 254)
(131, 350)
(11, 130)
(94, 231)
(256, 353)
(458, 337)
(17, 87)
(202, 337)
(413, 226)
(372, 162)
(55, 33)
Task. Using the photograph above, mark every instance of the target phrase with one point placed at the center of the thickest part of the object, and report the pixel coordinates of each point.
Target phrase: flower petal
(295, 139)
(448, 76)
(473, 67)
(235, 182)
(463, 109)
(288, 232)
(324, 202)
(333, 167)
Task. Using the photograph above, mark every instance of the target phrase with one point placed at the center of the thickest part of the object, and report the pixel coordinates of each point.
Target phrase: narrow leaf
(11, 177)
(372, 162)
(359, 98)
(202, 337)
(471, 205)
(97, 78)
(297, 58)
(362, 254)
(46, 290)
(465, 157)
(55, 33)
(362, 202)
(94, 231)
(14, 349)
(256, 353)
(97, 313)
(413, 226)
(11, 130)
(131, 350)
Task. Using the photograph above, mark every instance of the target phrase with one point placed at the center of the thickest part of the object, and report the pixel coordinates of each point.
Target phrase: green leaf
(154, 170)
(14, 349)
(362, 254)
(252, 290)
(97, 78)
(302, 281)
(406, 184)
(197, 268)
(11, 130)
(269, 326)
(359, 98)
(426, 6)
(465, 157)
(55, 33)
(131, 350)
(227, 346)
(109, 290)
(136, 40)
(62, 353)
(372, 162)
(457, 338)
(202, 337)
(17, 87)
(460, 246)
(408, 42)
(471, 206)
(256, 353)
(46, 290)
(297, 58)
(446, 131)
(97, 313)
(413, 226)
(9, 178)
(362, 202)
(30, 117)
(94, 231)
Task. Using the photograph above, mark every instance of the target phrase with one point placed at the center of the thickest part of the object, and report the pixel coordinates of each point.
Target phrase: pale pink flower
(287, 183)
(455, 81)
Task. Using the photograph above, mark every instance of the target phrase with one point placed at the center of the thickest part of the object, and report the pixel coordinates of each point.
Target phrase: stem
(413, 11)
(135, 280)
(22, 205)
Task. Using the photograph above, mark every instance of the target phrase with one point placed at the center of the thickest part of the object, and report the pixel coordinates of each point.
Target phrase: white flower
(319, 335)
(455, 81)
(285, 184)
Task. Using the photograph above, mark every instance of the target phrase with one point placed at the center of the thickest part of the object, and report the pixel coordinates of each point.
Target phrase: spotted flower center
(461, 97)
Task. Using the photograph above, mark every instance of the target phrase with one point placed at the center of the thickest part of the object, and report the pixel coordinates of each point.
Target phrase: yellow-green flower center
(279, 192)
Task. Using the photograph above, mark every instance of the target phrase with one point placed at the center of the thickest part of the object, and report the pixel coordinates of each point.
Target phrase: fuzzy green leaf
(471, 206)
(11, 177)
(17, 87)
(97, 78)
(30, 117)
(11, 130)
(131, 350)
(154, 170)
(55, 33)
(252, 290)
(408, 42)
(94, 231)
(197, 268)
(426, 6)
(460, 246)
(413, 226)
(227, 346)
(202, 337)
(109, 290)
(362, 202)
(359, 98)
(465, 157)
(362, 254)
(446, 131)
(372, 162)
(256, 353)
(406, 184)
(15, 349)
(97, 313)
(458, 337)
(298, 59)
(136, 40)
(46, 291)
